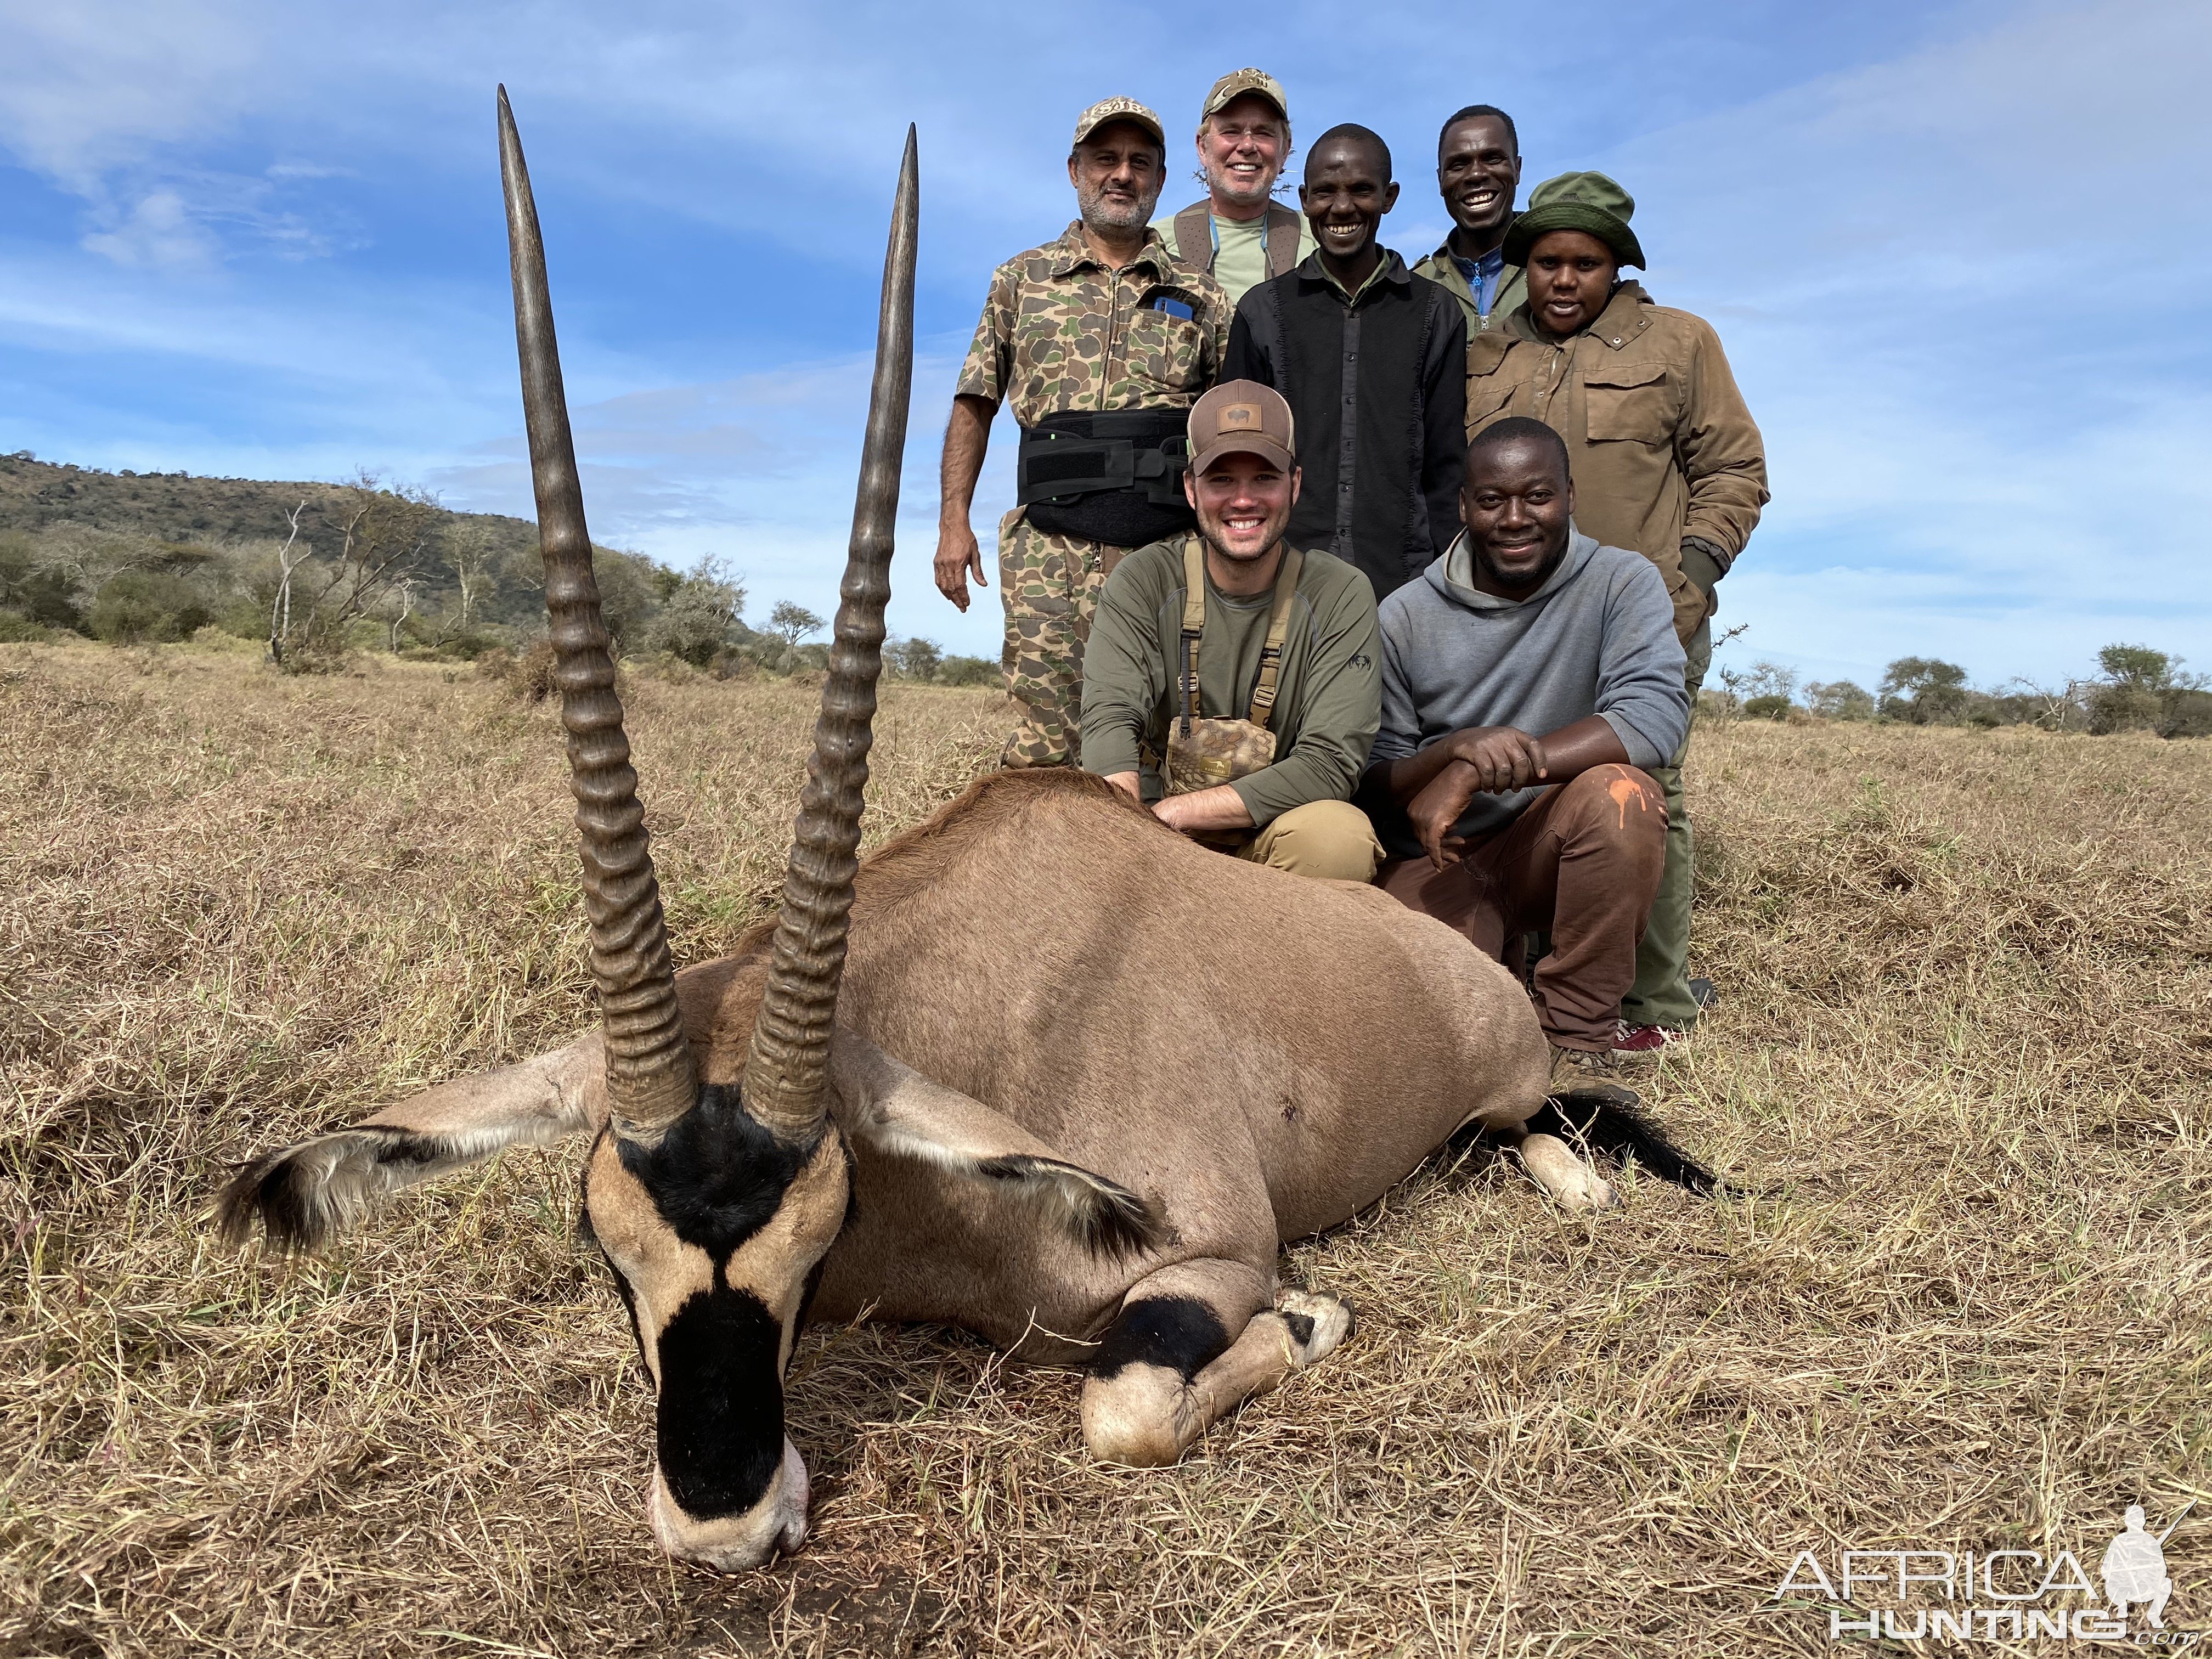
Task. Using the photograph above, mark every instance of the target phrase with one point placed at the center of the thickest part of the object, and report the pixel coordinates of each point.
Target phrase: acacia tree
(793, 623)
(385, 538)
(280, 608)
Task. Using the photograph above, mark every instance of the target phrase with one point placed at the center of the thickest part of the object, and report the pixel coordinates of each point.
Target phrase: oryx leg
(1167, 1369)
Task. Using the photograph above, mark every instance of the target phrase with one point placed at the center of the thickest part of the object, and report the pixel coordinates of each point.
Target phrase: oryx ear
(890, 1107)
(304, 1195)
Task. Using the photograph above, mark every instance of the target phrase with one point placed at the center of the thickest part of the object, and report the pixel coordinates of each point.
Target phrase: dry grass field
(1962, 1062)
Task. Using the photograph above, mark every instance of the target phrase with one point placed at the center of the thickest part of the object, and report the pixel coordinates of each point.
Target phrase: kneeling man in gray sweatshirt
(1528, 679)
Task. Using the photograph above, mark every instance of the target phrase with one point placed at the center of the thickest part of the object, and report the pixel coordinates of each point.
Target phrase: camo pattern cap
(1061, 333)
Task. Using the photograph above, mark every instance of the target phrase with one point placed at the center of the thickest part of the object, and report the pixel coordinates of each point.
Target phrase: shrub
(1924, 691)
(699, 619)
(1839, 700)
(16, 628)
(1771, 707)
(914, 659)
(137, 606)
(2188, 713)
(37, 592)
(967, 671)
(2125, 708)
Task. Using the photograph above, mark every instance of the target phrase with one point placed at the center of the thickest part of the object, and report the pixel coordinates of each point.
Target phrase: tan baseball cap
(1237, 83)
(1118, 109)
(1242, 417)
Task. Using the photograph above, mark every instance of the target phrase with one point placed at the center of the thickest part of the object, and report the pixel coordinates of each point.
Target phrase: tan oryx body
(1074, 1082)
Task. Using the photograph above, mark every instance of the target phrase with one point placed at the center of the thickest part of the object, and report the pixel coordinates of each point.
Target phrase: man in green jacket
(1239, 235)
(1272, 649)
(1477, 171)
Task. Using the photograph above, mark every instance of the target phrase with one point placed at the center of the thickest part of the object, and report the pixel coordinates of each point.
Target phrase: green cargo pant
(1660, 995)
(1049, 585)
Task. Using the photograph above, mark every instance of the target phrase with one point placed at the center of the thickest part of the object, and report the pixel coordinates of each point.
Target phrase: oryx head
(715, 1205)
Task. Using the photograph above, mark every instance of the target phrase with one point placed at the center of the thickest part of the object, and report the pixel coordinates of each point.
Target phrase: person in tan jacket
(1665, 459)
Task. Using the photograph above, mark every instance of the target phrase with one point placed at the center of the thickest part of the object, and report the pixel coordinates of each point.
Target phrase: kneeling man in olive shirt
(1248, 665)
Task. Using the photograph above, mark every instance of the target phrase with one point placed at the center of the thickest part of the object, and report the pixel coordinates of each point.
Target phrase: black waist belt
(1114, 478)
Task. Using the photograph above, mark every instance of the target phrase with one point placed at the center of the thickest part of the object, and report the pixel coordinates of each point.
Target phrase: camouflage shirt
(1061, 333)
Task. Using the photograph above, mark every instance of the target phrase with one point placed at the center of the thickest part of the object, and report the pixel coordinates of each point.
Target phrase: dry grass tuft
(1963, 1059)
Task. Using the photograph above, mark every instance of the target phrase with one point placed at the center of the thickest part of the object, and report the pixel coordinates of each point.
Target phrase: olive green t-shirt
(1240, 260)
(1328, 698)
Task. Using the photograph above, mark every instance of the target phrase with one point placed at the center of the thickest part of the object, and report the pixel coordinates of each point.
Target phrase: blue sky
(1955, 252)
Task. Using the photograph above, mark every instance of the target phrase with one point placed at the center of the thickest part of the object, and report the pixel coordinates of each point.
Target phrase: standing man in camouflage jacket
(1102, 342)
(1240, 235)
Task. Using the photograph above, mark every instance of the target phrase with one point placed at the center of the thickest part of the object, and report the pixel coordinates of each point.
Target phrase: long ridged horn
(786, 1073)
(650, 1082)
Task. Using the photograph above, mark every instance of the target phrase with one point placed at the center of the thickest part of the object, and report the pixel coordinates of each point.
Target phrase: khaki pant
(1049, 585)
(1582, 862)
(1660, 995)
(1330, 840)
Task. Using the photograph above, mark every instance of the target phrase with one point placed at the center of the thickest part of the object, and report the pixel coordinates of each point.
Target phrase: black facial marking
(1301, 1328)
(720, 1433)
(717, 1175)
(1162, 1330)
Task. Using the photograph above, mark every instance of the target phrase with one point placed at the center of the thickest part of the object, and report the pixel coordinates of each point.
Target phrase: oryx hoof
(1317, 1322)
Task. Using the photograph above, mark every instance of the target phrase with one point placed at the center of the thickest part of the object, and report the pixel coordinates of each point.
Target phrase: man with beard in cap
(1101, 342)
(1245, 666)
(1667, 461)
(1239, 235)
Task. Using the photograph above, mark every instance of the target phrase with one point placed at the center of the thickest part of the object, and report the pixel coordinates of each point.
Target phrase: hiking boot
(1583, 1068)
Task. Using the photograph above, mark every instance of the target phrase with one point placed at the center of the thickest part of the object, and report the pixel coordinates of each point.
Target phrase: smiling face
(1570, 277)
(1243, 505)
(1346, 192)
(1240, 149)
(1117, 174)
(1518, 507)
(1478, 173)
(715, 1236)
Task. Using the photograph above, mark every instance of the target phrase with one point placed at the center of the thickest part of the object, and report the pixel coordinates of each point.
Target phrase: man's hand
(1204, 810)
(1502, 758)
(967, 437)
(958, 557)
(1494, 760)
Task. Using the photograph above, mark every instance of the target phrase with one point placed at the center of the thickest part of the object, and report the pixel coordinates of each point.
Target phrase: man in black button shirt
(1373, 360)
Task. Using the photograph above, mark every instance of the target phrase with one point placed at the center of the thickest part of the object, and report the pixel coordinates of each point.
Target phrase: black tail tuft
(274, 1190)
(1614, 1120)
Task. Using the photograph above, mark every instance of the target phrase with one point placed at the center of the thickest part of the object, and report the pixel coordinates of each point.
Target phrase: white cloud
(155, 232)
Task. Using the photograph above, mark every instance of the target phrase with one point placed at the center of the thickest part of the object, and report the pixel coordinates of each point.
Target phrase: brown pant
(1583, 860)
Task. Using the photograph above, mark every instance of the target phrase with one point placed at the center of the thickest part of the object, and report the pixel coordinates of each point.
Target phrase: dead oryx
(1075, 1082)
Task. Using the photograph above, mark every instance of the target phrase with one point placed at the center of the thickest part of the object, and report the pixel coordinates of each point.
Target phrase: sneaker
(1642, 1045)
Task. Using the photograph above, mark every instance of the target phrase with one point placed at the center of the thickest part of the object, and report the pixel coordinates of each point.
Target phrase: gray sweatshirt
(1597, 638)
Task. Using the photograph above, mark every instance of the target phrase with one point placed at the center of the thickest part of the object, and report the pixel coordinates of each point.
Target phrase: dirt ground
(1961, 1062)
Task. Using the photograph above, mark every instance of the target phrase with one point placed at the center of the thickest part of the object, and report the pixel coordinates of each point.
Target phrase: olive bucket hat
(1588, 202)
